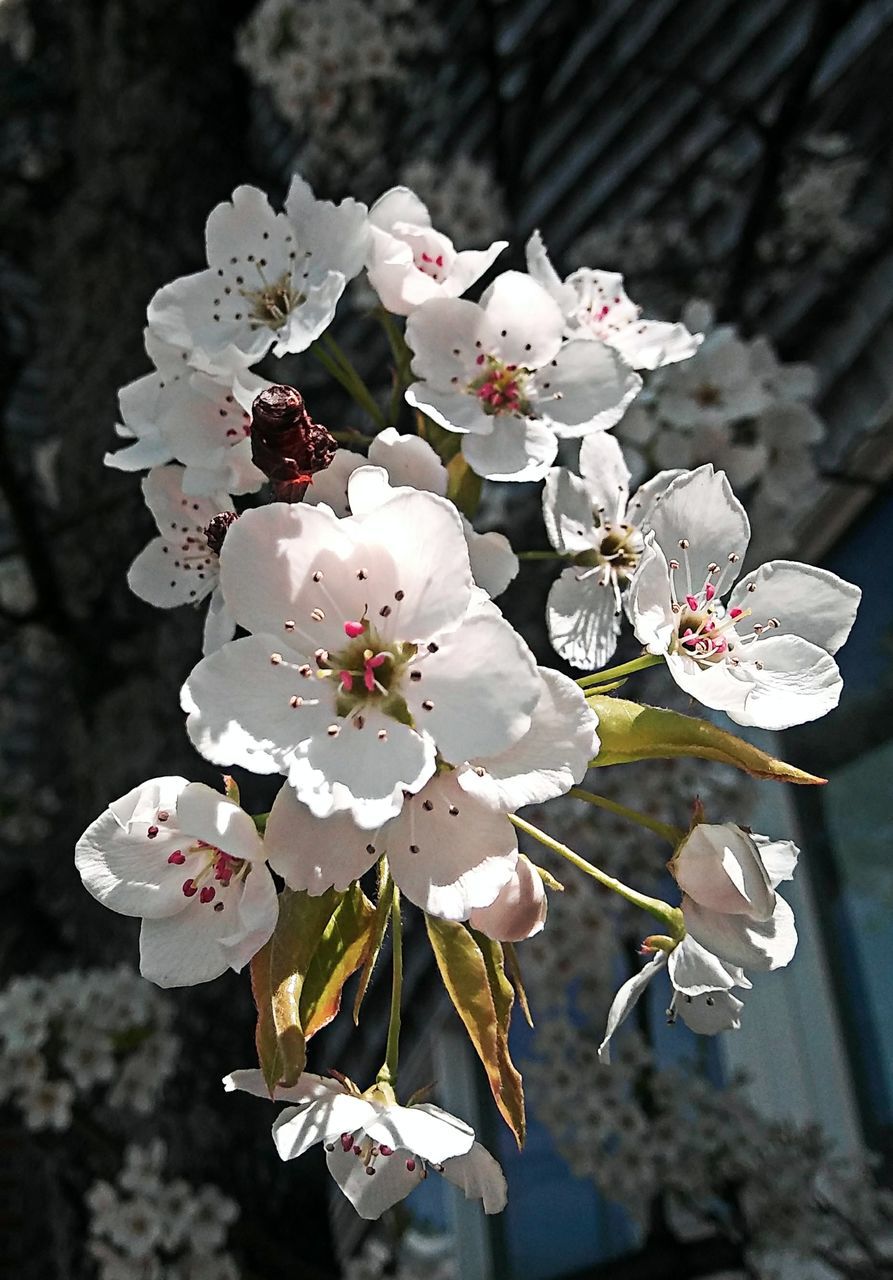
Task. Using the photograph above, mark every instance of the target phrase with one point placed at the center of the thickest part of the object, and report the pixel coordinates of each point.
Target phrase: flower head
(376, 1150)
(593, 517)
(371, 654)
(273, 279)
(594, 305)
(733, 917)
(763, 657)
(191, 864)
(499, 373)
(410, 262)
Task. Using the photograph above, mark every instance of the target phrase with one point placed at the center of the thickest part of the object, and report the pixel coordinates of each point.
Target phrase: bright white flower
(451, 849)
(190, 862)
(593, 518)
(765, 656)
(499, 373)
(594, 305)
(410, 262)
(378, 1151)
(733, 917)
(718, 386)
(207, 423)
(371, 652)
(140, 405)
(411, 462)
(178, 567)
(272, 278)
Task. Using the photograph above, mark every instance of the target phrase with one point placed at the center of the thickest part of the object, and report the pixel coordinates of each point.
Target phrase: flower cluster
(353, 649)
(62, 1039)
(147, 1224)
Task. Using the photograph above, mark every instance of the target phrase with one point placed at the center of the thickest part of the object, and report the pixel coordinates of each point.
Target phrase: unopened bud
(215, 531)
(286, 444)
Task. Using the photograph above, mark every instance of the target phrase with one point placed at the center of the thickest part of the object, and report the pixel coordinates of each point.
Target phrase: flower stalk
(615, 673)
(663, 829)
(388, 1073)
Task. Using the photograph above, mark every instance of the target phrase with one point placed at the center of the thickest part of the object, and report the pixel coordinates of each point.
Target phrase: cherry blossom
(595, 305)
(409, 461)
(178, 567)
(191, 864)
(500, 374)
(451, 848)
(593, 518)
(410, 263)
(371, 652)
(139, 402)
(273, 279)
(764, 657)
(206, 421)
(733, 917)
(376, 1150)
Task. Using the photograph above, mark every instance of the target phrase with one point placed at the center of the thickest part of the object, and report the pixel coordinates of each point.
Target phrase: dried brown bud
(215, 531)
(286, 444)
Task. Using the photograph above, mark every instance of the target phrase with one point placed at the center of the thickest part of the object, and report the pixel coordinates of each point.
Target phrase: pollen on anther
(433, 648)
(427, 705)
(275, 659)
(413, 848)
(163, 815)
(384, 611)
(295, 701)
(359, 721)
(317, 577)
(317, 615)
(453, 811)
(399, 595)
(751, 586)
(362, 574)
(218, 906)
(289, 624)
(382, 735)
(370, 849)
(333, 730)
(152, 832)
(415, 675)
(427, 805)
(684, 544)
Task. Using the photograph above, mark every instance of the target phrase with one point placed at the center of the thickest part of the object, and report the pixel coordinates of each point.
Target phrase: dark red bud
(286, 444)
(216, 529)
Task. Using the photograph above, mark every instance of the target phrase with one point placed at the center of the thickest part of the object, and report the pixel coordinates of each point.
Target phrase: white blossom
(378, 1151)
(595, 305)
(191, 864)
(371, 650)
(140, 403)
(410, 262)
(499, 373)
(273, 279)
(593, 518)
(764, 657)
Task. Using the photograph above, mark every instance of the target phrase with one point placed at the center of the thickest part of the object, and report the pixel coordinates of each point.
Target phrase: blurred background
(733, 159)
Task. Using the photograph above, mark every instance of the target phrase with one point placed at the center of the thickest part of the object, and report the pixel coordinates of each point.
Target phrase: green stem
(624, 669)
(337, 363)
(399, 350)
(388, 1072)
(543, 555)
(663, 829)
(670, 917)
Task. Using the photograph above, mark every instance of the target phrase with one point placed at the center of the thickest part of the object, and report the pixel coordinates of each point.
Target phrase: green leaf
(374, 940)
(277, 980)
(631, 732)
(463, 485)
(513, 969)
(473, 973)
(340, 952)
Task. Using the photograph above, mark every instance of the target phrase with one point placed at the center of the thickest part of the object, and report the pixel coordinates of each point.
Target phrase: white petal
(312, 316)
(469, 265)
(372, 1194)
(425, 1130)
(626, 999)
(443, 335)
(779, 857)
(220, 625)
(516, 449)
(649, 600)
(336, 234)
(479, 1176)
(219, 821)
(239, 706)
(647, 495)
(700, 508)
(583, 617)
(330, 486)
(649, 344)
(719, 867)
(181, 518)
(795, 682)
(148, 452)
(122, 866)
(711, 1012)
(519, 909)
(408, 460)
(367, 489)
(540, 268)
(449, 851)
(694, 970)
(308, 1089)
(467, 711)
(493, 563)
(586, 387)
(527, 322)
(806, 601)
(316, 854)
(398, 204)
(567, 508)
(453, 409)
(297, 1129)
(753, 944)
(157, 576)
(184, 949)
(550, 758)
(606, 474)
(257, 912)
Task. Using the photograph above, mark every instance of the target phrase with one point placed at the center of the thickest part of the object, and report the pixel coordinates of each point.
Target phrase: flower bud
(215, 530)
(286, 444)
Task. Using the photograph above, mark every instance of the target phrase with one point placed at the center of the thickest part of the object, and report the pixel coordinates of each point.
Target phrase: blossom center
(368, 670)
(212, 869)
(500, 387)
(272, 304)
